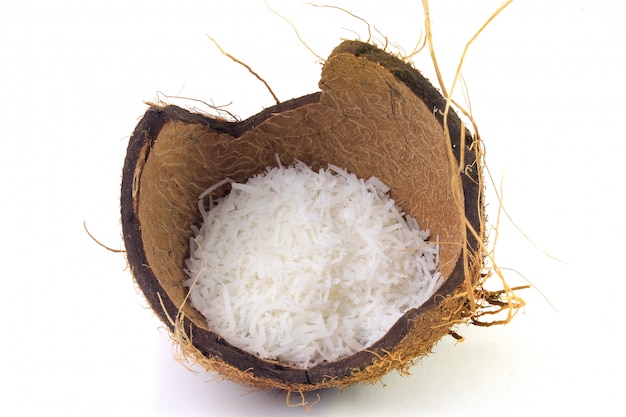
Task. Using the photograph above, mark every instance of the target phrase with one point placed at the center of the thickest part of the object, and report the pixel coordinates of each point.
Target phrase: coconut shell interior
(375, 116)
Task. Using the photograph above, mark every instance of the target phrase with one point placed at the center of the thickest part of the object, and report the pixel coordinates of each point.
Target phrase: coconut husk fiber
(374, 116)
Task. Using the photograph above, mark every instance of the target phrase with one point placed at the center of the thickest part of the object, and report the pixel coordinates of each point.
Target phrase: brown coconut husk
(375, 116)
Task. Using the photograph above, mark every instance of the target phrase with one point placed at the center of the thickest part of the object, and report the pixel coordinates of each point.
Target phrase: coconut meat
(305, 267)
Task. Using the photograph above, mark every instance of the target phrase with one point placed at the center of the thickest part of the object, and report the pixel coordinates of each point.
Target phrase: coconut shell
(374, 116)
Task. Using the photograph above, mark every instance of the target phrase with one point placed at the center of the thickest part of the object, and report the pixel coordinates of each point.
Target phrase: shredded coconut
(305, 267)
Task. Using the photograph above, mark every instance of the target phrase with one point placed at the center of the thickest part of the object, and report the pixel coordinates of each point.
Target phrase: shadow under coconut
(195, 392)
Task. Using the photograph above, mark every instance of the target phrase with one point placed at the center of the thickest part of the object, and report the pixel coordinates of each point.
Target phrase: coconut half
(375, 116)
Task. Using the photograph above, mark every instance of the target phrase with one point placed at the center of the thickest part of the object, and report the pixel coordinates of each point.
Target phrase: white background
(546, 86)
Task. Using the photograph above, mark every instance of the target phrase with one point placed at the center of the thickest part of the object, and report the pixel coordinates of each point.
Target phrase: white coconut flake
(305, 267)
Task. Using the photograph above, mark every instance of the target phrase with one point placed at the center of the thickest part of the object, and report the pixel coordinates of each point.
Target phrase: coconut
(375, 116)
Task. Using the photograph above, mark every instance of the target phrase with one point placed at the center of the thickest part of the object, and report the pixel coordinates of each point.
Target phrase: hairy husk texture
(374, 116)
